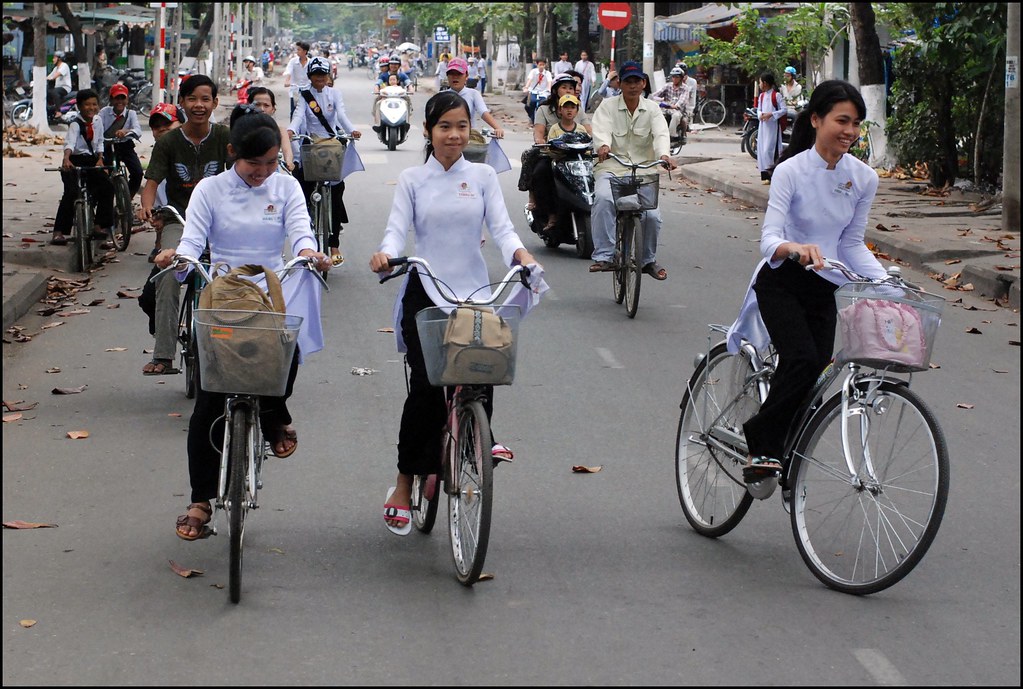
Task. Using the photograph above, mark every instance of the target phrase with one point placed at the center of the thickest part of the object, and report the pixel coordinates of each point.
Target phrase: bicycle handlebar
(638, 166)
(297, 263)
(344, 138)
(518, 273)
(894, 272)
(169, 209)
(80, 167)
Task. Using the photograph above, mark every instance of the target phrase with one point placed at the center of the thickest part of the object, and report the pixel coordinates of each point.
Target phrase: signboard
(1012, 72)
(395, 35)
(614, 16)
(440, 35)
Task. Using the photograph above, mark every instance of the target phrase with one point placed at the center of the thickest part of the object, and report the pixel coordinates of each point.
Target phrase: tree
(871, 72)
(199, 40)
(39, 119)
(74, 26)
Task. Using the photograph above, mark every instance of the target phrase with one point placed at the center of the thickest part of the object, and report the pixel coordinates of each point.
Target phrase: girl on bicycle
(818, 206)
(445, 202)
(247, 213)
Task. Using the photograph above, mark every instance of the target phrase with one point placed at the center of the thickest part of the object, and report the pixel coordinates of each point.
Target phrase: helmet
(384, 60)
(395, 60)
(563, 79)
(682, 66)
(318, 65)
(676, 72)
(60, 54)
(249, 58)
(790, 70)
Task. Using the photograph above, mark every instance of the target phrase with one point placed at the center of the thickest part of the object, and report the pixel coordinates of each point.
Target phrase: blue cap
(631, 69)
(790, 70)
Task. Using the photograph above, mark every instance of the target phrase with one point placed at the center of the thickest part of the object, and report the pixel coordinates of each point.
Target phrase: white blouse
(446, 210)
(810, 204)
(246, 225)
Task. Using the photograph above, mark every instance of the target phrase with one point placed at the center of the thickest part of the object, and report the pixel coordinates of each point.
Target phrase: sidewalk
(942, 236)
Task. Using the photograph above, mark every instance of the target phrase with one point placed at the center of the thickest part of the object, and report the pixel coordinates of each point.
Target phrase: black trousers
(338, 213)
(206, 433)
(543, 185)
(420, 438)
(127, 155)
(100, 188)
(798, 308)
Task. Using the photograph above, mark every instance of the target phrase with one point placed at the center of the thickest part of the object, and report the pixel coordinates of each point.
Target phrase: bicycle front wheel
(633, 266)
(469, 506)
(862, 533)
(83, 236)
(122, 213)
(618, 275)
(238, 464)
(189, 345)
(719, 397)
(323, 220)
(712, 112)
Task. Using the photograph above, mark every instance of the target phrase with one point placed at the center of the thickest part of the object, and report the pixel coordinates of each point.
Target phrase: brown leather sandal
(186, 521)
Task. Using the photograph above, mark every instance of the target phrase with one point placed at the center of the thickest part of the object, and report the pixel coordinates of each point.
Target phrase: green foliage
(941, 81)
(772, 44)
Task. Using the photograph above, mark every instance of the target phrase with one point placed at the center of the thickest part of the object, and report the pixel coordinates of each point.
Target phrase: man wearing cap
(458, 75)
(61, 78)
(119, 122)
(631, 127)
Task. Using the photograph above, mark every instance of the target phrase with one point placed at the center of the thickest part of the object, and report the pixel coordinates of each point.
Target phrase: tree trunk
(526, 38)
(979, 135)
(199, 40)
(39, 119)
(871, 71)
(583, 28)
(943, 171)
(74, 25)
(552, 31)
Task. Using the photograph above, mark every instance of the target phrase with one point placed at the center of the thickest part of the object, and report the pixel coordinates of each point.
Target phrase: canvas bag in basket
(253, 349)
(478, 348)
(878, 330)
(323, 159)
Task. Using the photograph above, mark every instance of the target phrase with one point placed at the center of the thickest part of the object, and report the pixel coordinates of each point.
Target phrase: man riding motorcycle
(678, 99)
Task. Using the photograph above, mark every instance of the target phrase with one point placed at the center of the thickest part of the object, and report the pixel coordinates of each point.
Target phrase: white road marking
(609, 358)
(373, 158)
(879, 667)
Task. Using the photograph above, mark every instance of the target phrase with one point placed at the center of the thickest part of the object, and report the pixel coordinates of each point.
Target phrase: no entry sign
(614, 16)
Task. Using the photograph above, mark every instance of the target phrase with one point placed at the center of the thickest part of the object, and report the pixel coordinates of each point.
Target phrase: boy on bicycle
(83, 147)
(645, 137)
(119, 122)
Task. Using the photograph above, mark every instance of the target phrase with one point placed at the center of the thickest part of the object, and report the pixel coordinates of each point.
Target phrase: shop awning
(718, 16)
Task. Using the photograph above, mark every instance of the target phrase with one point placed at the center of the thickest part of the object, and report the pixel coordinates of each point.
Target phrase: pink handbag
(878, 330)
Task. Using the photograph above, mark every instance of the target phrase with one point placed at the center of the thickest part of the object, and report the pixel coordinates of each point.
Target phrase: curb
(22, 290)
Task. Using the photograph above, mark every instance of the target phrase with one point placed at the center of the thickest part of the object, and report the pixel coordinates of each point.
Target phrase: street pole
(161, 38)
(1010, 145)
(648, 39)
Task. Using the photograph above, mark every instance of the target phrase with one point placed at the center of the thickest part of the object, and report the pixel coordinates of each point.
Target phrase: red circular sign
(395, 34)
(614, 16)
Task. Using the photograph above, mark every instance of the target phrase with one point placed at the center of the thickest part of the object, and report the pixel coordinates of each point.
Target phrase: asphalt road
(597, 578)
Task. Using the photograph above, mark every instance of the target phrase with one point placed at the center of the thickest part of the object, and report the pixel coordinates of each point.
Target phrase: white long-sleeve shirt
(810, 204)
(130, 122)
(333, 107)
(446, 210)
(477, 106)
(76, 142)
(245, 225)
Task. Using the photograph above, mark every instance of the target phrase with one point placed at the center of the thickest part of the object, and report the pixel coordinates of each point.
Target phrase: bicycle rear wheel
(618, 275)
(719, 397)
(424, 502)
(712, 112)
(633, 266)
(469, 507)
(862, 534)
(237, 505)
(122, 213)
(83, 236)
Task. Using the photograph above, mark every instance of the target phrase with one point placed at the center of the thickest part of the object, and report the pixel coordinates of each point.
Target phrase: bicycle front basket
(322, 160)
(635, 193)
(245, 352)
(887, 326)
(476, 150)
(470, 345)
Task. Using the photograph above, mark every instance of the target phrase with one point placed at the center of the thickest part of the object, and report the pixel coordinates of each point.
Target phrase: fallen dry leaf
(53, 370)
(580, 469)
(116, 349)
(68, 391)
(9, 418)
(75, 312)
(126, 295)
(78, 435)
(185, 572)
(18, 524)
(96, 302)
(53, 325)
(20, 405)
(963, 405)
(953, 261)
(998, 370)
(385, 330)
(974, 331)
(486, 576)
(174, 414)
(27, 623)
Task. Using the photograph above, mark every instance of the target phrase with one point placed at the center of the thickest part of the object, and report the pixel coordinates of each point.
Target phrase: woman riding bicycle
(818, 207)
(246, 213)
(445, 201)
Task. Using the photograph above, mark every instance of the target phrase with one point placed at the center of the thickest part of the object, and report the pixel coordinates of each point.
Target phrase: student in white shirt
(562, 65)
(444, 203)
(818, 207)
(247, 214)
(121, 122)
(538, 86)
(295, 76)
(589, 72)
(305, 121)
(770, 110)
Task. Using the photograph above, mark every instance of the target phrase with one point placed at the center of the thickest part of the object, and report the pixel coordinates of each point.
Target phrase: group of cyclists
(233, 188)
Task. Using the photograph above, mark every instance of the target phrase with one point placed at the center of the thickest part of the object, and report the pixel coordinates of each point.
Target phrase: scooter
(678, 138)
(394, 116)
(571, 156)
(21, 112)
(243, 91)
(751, 124)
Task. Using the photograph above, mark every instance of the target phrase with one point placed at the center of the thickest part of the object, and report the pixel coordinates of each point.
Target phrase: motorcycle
(394, 116)
(571, 157)
(243, 90)
(21, 111)
(679, 137)
(751, 124)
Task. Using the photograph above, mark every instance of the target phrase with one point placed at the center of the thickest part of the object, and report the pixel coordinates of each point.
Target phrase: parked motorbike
(571, 157)
(394, 116)
(21, 112)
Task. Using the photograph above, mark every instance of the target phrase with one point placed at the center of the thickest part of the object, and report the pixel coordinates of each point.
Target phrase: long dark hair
(435, 109)
(824, 97)
(256, 90)
(253, 132)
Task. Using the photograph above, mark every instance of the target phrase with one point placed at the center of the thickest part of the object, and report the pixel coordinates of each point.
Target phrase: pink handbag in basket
(882, 330)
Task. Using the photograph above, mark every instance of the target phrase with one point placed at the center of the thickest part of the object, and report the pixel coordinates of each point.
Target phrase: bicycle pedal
(755, 474)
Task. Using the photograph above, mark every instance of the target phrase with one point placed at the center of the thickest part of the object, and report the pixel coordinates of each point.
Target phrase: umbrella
(407, 48)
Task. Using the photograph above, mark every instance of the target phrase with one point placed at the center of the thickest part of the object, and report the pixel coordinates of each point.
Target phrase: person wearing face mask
(247, 215)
